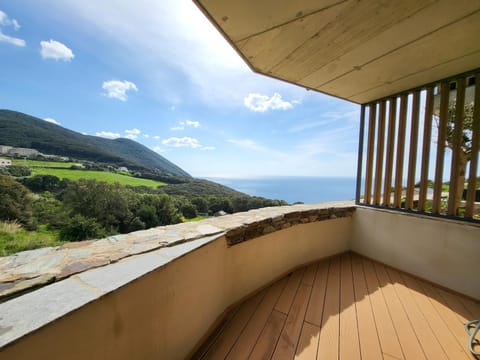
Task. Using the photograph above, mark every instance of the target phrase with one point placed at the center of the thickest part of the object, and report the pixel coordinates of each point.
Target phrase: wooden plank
(472, 306)
(229, 335)
(309, 275)
(427, 135)
(449, 316)
(472, 178)
(330, 328)
(245, 343)
(268, 339)
(308, 343)
(285, 301)
(406, 335)
(392, 73)
(389, 40)
(442, 135)
(457, 306)
(386, 332)
(392, 116)
(429, 343)
(349, 342)
(367, 330)
(287, 344)
(370, 147)
(397, 202)
(380, 150)
(451, 346)
(317, 298)
(456, 161)
(412, 158)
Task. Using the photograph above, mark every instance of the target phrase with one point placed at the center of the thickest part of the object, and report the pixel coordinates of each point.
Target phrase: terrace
(392, 275)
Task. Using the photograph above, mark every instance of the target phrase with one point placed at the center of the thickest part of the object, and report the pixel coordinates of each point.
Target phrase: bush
(189, 211)
(15, 202)
(18, 171)
(80, 228)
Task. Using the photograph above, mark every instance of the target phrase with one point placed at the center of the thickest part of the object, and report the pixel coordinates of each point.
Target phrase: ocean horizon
(306, 189)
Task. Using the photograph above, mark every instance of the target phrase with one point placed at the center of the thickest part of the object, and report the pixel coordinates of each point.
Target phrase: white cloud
(118, 89)
(132, 134)
(146, 136)
(192, 123)
(53, 121)
(5, 21)
(53, 49)
(182, 142)
(208, 67)
(261, 103)
(182, 124)
(185, 141)
(107, 134)
(157, 137)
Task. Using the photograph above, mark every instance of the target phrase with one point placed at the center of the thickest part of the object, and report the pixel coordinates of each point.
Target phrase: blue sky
(158, 72)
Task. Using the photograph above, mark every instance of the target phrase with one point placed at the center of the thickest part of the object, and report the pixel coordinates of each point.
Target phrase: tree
(15, 202)
(79, 228)
(109, 204)
(465, 153)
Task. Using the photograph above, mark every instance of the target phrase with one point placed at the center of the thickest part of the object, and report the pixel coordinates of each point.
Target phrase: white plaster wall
(445, 252)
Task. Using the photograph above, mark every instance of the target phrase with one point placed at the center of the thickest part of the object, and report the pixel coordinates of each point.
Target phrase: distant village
(17, 152)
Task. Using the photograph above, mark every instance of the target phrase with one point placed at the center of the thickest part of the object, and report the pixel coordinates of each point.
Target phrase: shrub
(80, 228)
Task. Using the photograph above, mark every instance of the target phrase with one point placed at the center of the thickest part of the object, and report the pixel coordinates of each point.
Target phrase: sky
(158, 72)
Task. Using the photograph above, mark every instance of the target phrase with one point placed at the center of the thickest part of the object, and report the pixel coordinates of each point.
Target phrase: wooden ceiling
(356, 50)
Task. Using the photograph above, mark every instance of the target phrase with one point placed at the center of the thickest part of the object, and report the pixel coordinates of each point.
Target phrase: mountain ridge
(22, 130)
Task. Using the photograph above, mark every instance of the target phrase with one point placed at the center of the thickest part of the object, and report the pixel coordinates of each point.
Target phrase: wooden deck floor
(347, 307)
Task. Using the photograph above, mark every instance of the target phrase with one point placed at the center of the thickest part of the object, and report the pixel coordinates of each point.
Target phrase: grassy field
(14, 239)
(42, 164)
(98, 175)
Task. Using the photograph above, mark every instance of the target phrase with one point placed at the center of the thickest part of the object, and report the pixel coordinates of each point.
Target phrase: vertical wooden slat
(427, 134)
(387, 186)
(380, 151)
(412, 158)
(442, 134)
(397, 202)
(472, 180)
(361, 136)
(453, 201)
(370, 147)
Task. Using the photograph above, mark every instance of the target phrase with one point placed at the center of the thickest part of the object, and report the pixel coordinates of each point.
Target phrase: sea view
(295, 188)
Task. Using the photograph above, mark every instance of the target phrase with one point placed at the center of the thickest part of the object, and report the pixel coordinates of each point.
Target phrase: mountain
(22, 130)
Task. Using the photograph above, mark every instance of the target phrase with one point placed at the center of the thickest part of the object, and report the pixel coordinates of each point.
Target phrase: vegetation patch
(105, 176)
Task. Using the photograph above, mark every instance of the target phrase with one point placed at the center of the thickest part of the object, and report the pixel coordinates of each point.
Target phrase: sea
(309, 190)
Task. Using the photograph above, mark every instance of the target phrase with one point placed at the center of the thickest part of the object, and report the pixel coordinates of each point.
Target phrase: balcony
(393, 275)
(165, 292)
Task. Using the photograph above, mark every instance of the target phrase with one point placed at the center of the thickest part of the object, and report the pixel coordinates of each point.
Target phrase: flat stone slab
(29, 270)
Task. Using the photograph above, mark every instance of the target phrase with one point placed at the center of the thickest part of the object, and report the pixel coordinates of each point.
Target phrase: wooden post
(453, 201)
(397, 201)
(472, 179)
(392, 116)
(427, 135)
(442, 135)
(412, 159)
(361, 136)
(370, 147)
(380, 150)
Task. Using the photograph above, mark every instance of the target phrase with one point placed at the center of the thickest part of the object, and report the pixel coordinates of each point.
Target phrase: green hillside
(106, 176)
(21, 130)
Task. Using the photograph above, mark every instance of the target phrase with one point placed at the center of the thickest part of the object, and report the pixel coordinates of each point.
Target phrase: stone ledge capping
(29, 270)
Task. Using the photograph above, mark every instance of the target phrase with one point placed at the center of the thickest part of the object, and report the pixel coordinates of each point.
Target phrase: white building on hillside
(5, 162)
